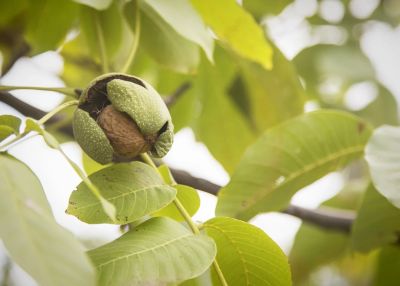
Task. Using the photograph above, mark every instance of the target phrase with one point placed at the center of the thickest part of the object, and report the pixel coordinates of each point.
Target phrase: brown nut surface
(123, 133)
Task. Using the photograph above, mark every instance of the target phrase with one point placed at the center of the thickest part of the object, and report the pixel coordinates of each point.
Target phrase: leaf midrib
(256, 197)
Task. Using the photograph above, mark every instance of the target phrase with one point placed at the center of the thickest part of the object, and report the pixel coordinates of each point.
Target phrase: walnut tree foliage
(138, 71)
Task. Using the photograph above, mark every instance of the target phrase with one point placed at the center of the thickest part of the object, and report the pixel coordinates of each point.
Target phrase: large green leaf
(237, 28)
(135, 190)
(157, 252)
(185, 20)
(289, 157)
(49, 253)
(383, 156)
(221, 126)
(165, 45)
(46, 26)
(377, 222)
(246, 255)
(9, 125)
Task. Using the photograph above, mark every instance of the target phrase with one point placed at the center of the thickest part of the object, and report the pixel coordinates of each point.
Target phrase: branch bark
(327, 218)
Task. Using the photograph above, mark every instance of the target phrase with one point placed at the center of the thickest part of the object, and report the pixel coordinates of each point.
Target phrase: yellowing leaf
(237, 28)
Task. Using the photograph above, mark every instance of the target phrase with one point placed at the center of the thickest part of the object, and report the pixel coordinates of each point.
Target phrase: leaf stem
(70, 91)
(136, 39)
(102, 44)
(41, 121)
(49, 115)
(146, 158)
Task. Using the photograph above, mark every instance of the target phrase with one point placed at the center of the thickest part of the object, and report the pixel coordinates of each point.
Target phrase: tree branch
(327, 218)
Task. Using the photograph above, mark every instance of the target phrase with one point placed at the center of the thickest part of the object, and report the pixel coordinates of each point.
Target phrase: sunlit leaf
(289, 157)
(185, 20)
(157, 252)
(383, 156)
(49, 253)
(135, 190)
(237, 28)
(246, 255)
(377, 222)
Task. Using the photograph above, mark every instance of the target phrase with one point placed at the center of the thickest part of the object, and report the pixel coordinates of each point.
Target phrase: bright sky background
(291, 32)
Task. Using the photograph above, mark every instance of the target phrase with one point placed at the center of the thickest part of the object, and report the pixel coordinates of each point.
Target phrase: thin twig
(170, 100)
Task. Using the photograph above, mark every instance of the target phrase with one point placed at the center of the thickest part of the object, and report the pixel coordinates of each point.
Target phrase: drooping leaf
(377, 223)
(221, 126)
(246, 255)
(274, 96)
(89, 165)
(184, 19)
(237, 28)
(46, 26)
(109, 23)
(96, 4)
(9, 125)
(388, 263)
(289, 157)
(49, 253)
(165, 45)
(383, 156)
(157, 252)
(188, 197)
(133, 188)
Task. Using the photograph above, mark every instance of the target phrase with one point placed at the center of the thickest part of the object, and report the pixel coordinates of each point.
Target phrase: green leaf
(388, 265)
(377, 222)
(49, 253)
(9, 125)
(166, 175)
(188, 197)
(111, 24)
(157, 252)
(261, 8)
(96, 4)
(211, 87)
(383, 110)
(383, 156)
(184, 19)
(46, 26)
(289, 157)
(276, 95)
(133, 188)
(246, 255)
(237, 28)
(91, 166)
(165, 45)
(314, 247)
